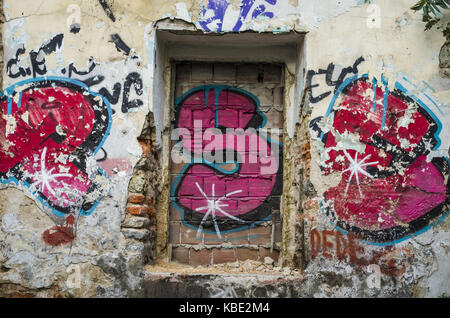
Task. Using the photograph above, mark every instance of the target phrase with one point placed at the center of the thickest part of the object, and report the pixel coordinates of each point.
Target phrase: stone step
(221, 285)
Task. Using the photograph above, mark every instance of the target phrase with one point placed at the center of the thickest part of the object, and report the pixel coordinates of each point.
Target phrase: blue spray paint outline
(400, 87)
(386, 93)
(374, 85)
(427, 109)
(217, 89)
(8, 92)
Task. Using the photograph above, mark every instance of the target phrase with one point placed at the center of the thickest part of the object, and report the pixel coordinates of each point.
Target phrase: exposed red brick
(311, 204)
(201, 257)
(260, 234)
(17, 291)
(307, 146)
(223, 255)
(151, 210)
(149, 200)
(174, 232)
(145, 145)
(180, 255)
(244, 253)
(265, 252)
(22, 295)
(136, 198)
(139, 210)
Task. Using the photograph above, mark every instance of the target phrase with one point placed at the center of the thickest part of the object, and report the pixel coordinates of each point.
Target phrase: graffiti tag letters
(334, 244)
(329, 73)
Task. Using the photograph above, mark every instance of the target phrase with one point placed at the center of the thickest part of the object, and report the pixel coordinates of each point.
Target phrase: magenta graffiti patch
(49, 129)
(378, 142)
(219, 196)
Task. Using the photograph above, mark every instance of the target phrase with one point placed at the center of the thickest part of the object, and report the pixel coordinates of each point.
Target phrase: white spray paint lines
(356, 167)
(214, 206)
(45, 177)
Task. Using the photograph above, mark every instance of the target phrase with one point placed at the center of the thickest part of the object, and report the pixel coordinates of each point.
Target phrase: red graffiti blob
(40, 129)
(389, 183)
(60, 234)
(49, 127)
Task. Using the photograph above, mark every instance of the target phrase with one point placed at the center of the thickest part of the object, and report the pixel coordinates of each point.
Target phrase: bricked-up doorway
(225, 204)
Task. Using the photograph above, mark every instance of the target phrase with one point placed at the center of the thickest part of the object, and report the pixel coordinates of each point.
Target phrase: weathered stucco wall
(85, 143)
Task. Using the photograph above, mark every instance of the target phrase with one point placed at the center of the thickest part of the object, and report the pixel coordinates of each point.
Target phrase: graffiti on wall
(333, 80)
(53, 124)
(218, 12)
(218, 196)
(377, 140)
(333, 244)
(36, 58)
(120, 93)
(49, 129)
(108, 10)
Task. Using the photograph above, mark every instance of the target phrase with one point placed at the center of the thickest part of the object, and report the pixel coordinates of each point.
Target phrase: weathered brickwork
(247, 211)
(139, 223)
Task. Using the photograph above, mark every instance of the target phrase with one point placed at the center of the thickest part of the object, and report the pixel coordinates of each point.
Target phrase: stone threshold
(183, 281)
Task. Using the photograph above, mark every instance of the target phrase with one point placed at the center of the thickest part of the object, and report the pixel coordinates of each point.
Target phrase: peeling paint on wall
(378, 140)
(48, 151)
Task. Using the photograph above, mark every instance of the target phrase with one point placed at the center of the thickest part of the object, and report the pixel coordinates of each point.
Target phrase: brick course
(139, 222)
(224, 255)
(200, 257)
(265, 82)
(180, 255)
(243, 254)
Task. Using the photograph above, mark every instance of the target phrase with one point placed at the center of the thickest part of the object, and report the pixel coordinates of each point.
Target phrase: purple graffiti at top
(248, 8)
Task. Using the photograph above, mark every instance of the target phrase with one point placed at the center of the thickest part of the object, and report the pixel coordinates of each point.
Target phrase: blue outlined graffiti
(397, 129)
(236, 217)
(53, 131)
